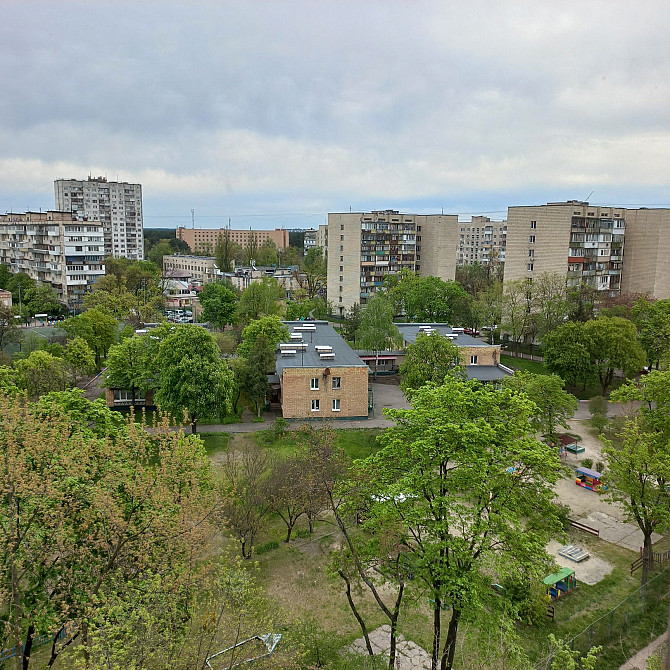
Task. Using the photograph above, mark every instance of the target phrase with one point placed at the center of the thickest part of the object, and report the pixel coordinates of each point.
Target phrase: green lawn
(536, 367)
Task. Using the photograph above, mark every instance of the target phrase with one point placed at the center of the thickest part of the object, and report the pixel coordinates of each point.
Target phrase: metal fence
(616, 623)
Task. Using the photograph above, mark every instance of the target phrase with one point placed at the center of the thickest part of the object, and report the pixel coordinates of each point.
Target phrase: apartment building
(318, 375)
(481, 240)
(55, 248)
(199, 269)
(613, 249)
(309, 241)
(322, 238)
(365, 247)
(203, 240)
(117, 205)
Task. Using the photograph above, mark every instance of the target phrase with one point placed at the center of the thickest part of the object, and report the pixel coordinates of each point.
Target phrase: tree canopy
(218, 304)
(377, 331)
(428, 360)
(270, 327)
(261, 298)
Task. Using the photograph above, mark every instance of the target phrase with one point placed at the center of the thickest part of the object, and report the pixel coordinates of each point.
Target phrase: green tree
(5, 275)
(192, 378)
(516, 310)
(270, 327)
(567, 353)
(267, 253)
(218, 304)
(429, 299)
(260, 362)
(489, 307)
(471, 491)
(428, 360)
(564, 658)
(97, 328)
(316, 308)
(652, 320)
(42, 299)
(550, 302)
(156, 254)
(555, 407)
(312, 273)
(352, 322)
(9, 331)
(132, 366)
(19, 285)
(41, 372)
(377, 331)
(80, 359)
(613, 345)
(224, 251)
(582, 302)
(111, 295)
(251, 249)
(261, 298)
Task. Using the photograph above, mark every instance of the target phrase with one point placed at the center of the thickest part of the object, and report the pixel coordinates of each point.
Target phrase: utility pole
(192, 218)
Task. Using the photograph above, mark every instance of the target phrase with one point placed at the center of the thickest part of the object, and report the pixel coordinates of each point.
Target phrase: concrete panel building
(481, 240)
(54, 248)
(320, 376)
(117, 205)
(204, 240)
(199, 269)
(613, 249)
(365, 247)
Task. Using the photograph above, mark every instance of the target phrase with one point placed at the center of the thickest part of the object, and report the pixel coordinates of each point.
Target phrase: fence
(38, 641)
(618, 621)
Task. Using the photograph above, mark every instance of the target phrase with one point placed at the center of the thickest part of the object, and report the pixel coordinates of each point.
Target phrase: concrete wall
(297, 395)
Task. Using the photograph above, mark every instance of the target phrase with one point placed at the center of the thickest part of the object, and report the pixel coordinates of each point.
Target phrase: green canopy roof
(558, 576)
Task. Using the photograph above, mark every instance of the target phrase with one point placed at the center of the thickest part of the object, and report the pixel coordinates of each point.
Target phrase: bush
(598, 405)
(564, 513)
(268, 546)
(600, 466)
(280, 427)
(302, 533)
(599, 421)
(587, 462)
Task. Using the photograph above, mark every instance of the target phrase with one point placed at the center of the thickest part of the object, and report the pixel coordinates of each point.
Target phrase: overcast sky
(274, 113)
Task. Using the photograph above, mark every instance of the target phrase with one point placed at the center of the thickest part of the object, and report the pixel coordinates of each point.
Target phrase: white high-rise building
(117, 205)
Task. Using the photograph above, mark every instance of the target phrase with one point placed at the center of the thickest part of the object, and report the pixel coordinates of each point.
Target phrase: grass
(215, 442)
(525, 364)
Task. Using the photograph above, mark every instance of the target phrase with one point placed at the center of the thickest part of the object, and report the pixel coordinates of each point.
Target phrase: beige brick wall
(297, 396)
(646, 267)
(440, 236)
(485, 355)
(345, 254)
(201, 238)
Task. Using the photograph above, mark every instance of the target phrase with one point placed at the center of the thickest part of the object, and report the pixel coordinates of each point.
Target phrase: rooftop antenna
(588, 196)
(349, 209)
(442, 210)
(192, 218)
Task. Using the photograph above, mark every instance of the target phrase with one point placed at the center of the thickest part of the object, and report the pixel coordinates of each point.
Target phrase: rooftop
(410, 331)
(315, 344)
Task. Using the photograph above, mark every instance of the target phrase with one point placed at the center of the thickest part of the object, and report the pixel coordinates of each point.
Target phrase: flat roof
(558, 576)
(410, 331)
(322, 335)
(485, 373)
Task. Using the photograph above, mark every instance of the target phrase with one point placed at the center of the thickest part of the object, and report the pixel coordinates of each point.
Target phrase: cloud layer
(304, 107)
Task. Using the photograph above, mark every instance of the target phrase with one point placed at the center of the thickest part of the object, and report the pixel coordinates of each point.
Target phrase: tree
(555, 407)
(131, 366)
(517, 309)
(251, 249)
(261, 298)
(9, 331)
(613, 345)
(314, 308)
(377, 331)
(567, 353)
(218, 304)
(312, 273)
(352, 322)
(41, 372)
(471, 489)
(638, 463)
(19, 285)
(244, 506)
(550, 302)
(191, 377)
(582, 301)
(428, 360)
(5, 275)
(111, 295)
(156, 254)
(287, 490)
(225, 251)
(260, 362)
(87, 520)
(489, 307)
(42, 299)
(80, 358)
(269, 326)
(652, 320)
(267, 253)
(97, 328)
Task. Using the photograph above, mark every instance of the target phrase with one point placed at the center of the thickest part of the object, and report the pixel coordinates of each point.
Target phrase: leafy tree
(652, 320)
(5, 275)
(352, 322)
(9, 331)
(111, 295)
(613, 345)
(555, 407)
(489, 307)
(8, 381)
(564, 658)
(227, 342)
(132, 366)
(250, 251)
(517, 309)
(582, 302)
(88, 520)
(567, 353)
(471, 490)
(218, 304)
(41, 372)
(19, 285)
(97, 328)
(550, 302)
(316, 308)
(429, 360)
(42, 299)
(267, 253)
(156, 254)
(192, 378)
(313, 271)
(260, 362)
(244, 505)
(225, 251)
(377, 331)
(261, 298)
(269, 326)
(80, 358)
(474, 278)
(288, 490)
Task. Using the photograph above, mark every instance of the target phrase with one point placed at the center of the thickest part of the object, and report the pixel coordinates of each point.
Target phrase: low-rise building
(54, 248)
(319, 375)
(6, 298)
(199, 269)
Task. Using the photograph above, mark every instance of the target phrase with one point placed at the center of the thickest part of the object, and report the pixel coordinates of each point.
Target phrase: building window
(340, 298)
(337, 382)
(341, 238)
(341, 226)
(341, 278)
(530, 267)
(341, 248)
(531, 253)
(531, 239)
(341, 259)
(314, 383)
(473, 360)
(533, 224)
(336, 404)
(341, 268)
(315, 404)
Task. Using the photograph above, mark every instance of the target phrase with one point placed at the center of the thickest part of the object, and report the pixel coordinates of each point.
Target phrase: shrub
(599, 421)
(587, 462)
(268, 546)
(280, 427)
(600, 466)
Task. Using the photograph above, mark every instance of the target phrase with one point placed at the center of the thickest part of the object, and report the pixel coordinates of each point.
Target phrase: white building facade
(117, 205)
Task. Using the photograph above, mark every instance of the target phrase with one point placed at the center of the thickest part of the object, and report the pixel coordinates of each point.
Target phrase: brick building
(204, 239)
(319, 375)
